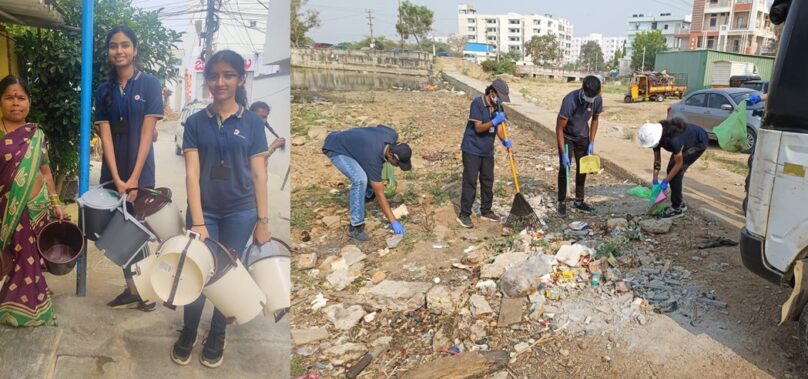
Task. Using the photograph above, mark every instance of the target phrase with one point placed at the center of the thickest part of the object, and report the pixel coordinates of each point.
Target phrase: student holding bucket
(686, 142)
(127, 108)
(24, 299)
(225, 147)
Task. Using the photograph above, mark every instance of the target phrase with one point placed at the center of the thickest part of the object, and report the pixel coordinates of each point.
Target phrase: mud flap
(799, 297)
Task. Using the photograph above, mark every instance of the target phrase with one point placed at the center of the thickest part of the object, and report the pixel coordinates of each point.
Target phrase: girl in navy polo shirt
(224, 146)
(127, 108)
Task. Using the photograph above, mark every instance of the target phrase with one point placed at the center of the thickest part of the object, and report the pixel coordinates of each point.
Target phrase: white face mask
(494, 100)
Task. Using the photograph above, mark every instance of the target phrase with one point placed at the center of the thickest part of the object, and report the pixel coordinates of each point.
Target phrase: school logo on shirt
(237, 133)
(137, 97)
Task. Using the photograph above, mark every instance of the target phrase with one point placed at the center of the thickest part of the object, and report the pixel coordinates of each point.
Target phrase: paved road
(93, 341)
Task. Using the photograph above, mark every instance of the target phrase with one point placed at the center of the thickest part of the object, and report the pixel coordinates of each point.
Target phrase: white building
(609, 45)
(510, 32)
(675, 29)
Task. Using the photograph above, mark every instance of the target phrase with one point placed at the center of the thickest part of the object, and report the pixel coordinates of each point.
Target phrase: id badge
(119, 126)
(491, 130)
(220, 172)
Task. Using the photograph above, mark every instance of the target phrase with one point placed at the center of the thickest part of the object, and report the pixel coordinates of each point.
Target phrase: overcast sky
(346, 20)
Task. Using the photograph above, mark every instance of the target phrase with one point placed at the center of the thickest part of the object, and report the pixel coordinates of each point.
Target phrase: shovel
(521, 211)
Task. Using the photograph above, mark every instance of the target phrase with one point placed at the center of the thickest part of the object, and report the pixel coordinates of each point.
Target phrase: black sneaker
(213, 353)
(146, 307)
(583, 206)
(181, 353)
(561, 209)
(490, 215)
(126, 300)
(671, 213)
(358, 232)
(464, 221)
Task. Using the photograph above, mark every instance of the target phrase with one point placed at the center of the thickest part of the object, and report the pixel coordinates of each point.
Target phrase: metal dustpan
(590, 164)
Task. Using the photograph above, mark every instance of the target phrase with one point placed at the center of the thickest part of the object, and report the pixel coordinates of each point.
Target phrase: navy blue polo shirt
(692, 136)
(365, 145)
(480, 144)
(240, 138)
(141, 97)
(578, 113)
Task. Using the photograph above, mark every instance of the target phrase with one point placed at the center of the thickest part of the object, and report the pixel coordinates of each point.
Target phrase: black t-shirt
(578, 113)
(692, 136)
(365, 145)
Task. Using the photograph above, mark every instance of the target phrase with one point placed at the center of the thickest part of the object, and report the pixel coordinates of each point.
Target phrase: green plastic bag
(641, 192)
(389, 179)
(731, 133)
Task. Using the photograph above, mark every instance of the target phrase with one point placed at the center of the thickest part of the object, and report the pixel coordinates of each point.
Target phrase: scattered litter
(394, 240)
(578, 225)
(470, 249)
(401, 211)
(319, 302)
(570, 255)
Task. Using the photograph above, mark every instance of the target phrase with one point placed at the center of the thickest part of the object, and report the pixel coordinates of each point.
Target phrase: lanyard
(221, 138)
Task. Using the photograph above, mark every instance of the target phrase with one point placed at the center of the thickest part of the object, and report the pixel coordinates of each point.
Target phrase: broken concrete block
(396, 295)
(306, 261)
(441, 300)
(331, 221)
(656, 226)
(378, 277)
(615, 223)
(345, 353)
(344, 318)
(510, 312)
(352, 255)
(479, 306)
(400, 211)
(521, 280)
(501, 263)
(307, 336)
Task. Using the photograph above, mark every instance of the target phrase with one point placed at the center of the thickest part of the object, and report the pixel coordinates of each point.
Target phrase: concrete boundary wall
(387, 62)
(545, 132)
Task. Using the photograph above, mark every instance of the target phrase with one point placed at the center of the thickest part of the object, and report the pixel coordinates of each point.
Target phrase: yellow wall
(8, 62)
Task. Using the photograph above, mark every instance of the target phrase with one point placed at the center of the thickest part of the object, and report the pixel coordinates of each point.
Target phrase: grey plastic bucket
(123, 237)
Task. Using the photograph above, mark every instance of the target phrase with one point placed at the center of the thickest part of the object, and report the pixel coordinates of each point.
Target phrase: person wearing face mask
(478, 151)
(573, 129)
(360, 154)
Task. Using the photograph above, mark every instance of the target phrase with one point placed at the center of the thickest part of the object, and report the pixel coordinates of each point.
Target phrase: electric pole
(643, 59)
(370, 25)
(211, 26)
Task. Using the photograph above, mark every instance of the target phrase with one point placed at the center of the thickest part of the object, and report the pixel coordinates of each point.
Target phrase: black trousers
(475, 166)
(690, 156)
(578, 151)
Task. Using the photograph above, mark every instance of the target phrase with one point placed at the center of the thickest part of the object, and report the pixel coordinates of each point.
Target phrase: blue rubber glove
(397, 228)
(591, 149)
(507, 143)
(498, 118)
(565, 160)
(664, 185)
(752, 100)
(655, 182)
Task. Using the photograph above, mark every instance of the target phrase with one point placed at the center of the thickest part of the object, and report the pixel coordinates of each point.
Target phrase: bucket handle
(149, 190)
(278, 240)
(183, 256)
(230, 252)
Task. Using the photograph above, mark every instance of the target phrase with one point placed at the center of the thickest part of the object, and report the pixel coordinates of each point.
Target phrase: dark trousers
(690, 156)
(578, 151)
(475, 166)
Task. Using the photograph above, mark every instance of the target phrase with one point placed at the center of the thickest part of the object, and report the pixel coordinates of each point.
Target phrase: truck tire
(628, 99)
(660, 98)
(803, 333)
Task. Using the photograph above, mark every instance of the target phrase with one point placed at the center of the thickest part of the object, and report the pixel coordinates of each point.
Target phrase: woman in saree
(27, 192)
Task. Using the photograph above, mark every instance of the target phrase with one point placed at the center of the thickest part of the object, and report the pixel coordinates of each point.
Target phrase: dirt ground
(587, 337)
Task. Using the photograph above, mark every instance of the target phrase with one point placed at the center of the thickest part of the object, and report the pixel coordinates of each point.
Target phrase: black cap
(403, 153)
(502, 90)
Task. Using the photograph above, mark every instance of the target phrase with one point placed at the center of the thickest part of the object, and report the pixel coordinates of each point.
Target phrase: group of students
(360, 153)
(225, 149)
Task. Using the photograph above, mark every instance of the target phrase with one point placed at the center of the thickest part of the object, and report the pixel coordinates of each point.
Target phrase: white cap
(650, 134)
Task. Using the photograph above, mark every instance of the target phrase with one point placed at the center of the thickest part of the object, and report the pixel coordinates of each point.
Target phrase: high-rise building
(675, 29)
(736, 26)
(509, 32)
(608, 45)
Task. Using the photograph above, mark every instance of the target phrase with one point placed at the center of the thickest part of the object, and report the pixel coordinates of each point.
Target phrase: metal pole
(84, 135)
(643, 59)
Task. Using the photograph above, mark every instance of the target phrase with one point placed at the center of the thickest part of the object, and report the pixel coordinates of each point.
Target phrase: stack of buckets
(185, 267)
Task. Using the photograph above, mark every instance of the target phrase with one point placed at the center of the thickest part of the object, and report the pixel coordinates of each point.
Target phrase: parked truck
(657, 86)
(774, 240)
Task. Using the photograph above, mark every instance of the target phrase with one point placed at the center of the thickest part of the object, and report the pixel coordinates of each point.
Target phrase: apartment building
(735, 26)
(509, 32)
(608, 45)
(675, 29)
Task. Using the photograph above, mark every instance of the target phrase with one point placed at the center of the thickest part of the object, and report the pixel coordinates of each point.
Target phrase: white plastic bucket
(271, 270)
(159, 213)
(183, 267)
(141, 276)
(232, 290)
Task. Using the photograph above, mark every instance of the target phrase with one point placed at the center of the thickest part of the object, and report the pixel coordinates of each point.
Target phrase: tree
(302, 22)
(650, 43)
(414, 21)
(457, 44)
(544, 49)
(618, 55)
(592, 56)
(50, 61)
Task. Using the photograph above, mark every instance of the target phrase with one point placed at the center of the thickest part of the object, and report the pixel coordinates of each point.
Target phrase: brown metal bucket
(60, 243)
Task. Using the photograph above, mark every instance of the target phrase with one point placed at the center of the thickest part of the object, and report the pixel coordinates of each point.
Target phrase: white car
(186, 112)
